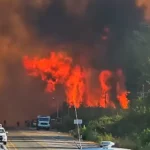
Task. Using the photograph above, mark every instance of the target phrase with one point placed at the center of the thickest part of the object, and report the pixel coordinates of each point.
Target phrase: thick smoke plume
(17, 38)
(91, 31)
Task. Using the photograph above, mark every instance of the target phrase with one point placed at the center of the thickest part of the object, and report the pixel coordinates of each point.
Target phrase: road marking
(13, 145)
(45, 144)
(41, 144)
(8, 145)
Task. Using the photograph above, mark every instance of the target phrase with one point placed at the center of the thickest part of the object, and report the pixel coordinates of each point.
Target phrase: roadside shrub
(126, 143)
(87, 134)
(66, 125)
(125, 131)
(74, 133)
(144, 137)
(103, 125)
(105, 137)
(145, 148)
(90, 135)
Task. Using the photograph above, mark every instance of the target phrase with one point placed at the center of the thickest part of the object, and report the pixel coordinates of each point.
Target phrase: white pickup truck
(43, 122)
(2, 147)
(3, 136)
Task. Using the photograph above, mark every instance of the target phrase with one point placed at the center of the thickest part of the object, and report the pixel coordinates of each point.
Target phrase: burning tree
(58, 68)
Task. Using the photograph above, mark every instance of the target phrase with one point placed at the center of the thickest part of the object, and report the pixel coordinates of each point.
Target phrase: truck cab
(43, 122)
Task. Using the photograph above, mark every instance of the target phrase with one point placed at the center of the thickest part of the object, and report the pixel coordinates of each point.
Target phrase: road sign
(78, 121)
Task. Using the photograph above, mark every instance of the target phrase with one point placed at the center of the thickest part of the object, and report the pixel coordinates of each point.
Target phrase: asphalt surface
(43, 140)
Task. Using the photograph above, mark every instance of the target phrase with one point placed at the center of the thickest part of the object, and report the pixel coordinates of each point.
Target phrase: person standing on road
(18, 124)
(4, 123)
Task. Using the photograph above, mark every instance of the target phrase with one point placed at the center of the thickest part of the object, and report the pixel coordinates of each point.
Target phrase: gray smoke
(92, 31)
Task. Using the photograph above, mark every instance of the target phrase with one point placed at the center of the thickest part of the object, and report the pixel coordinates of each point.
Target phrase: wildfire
(58, 68)
(54, 70)
(146, 5)
(104, 78)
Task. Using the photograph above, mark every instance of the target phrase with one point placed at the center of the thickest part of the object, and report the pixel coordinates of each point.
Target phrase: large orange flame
(121, 92)
(53, 70)
(104, 78)
(75, 87)
(58, 68)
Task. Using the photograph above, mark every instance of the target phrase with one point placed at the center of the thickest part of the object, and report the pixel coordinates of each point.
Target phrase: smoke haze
(92, 31)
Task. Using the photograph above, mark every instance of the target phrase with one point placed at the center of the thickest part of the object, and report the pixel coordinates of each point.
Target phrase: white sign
(78, 121)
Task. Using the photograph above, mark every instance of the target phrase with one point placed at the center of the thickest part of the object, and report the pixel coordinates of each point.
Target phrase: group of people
(5, 123)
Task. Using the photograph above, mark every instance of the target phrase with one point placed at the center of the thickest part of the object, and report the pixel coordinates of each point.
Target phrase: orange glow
(105, 34)
(58, 68)
(146, 5)
(104, 37)
(104, 78)
(54, 69)
(121, 92)
(75, 87)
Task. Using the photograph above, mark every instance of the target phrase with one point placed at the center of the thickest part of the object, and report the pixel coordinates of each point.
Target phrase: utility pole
(105, 99)
(68, 111)
(143, 92)
(78, 127)
(57, 107)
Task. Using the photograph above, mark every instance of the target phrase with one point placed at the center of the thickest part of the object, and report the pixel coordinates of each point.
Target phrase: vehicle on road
(107, 144)
(106, 148)
(3, 136)
(2, 147)
(43, 122)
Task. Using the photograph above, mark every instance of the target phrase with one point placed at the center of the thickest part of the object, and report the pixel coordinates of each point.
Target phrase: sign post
(78, 121)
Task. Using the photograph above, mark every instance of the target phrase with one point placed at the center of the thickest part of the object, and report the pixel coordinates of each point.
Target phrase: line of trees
(128, 128)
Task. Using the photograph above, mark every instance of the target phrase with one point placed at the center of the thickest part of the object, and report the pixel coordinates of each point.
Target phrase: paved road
(42, 140)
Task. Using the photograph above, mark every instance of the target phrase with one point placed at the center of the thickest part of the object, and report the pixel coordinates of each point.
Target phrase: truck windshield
(2, 131)
(43, 119)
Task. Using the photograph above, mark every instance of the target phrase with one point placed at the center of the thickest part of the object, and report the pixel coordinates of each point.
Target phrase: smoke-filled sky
(85, 24)
(92, 31)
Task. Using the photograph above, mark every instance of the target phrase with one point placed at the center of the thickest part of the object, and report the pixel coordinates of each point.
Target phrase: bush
(126, 143)
(145, 148)
(89, 135)
(66, 125)
(105, 137)
(102, 129)
(125, 131)
(144, 137)
(103, 125)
